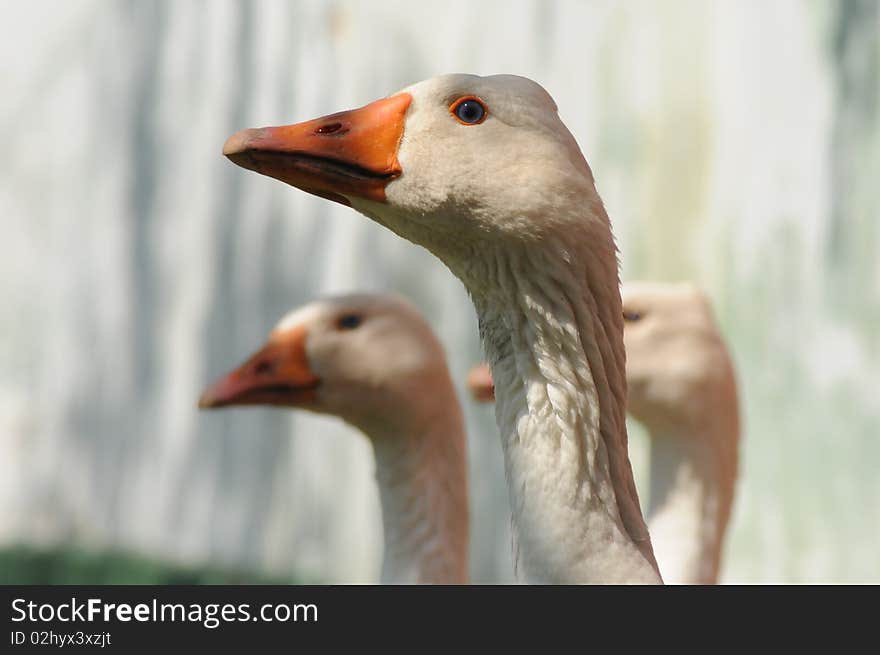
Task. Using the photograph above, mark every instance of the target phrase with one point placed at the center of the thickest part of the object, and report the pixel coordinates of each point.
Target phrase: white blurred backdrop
(736, 143)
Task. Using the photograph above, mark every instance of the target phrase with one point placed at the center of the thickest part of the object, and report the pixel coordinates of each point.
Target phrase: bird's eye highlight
(469, 110)
(349, 321)
(631, 317)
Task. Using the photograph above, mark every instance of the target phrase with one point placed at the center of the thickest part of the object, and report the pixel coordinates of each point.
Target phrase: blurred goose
(373, 361)
(682, 388)
(483, 173)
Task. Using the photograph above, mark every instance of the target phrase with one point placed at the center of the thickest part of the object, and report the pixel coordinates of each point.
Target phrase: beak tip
(480, 384)
(237, 143)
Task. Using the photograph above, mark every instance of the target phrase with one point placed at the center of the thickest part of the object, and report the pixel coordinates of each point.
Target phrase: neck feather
(551, 323)
(422, 478)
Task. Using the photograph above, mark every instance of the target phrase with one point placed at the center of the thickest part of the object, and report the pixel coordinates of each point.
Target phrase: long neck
(422, 478)
(553, 334)
(692, 485)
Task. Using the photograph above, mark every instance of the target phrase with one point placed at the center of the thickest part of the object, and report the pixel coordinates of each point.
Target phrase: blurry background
(735, 143)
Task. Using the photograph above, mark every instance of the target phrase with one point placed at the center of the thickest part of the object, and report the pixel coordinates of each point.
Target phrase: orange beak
(278, 374)
(352, 153)
(480, 383)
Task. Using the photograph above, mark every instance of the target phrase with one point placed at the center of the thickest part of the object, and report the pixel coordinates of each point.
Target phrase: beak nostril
(263, 367)
(331, 128)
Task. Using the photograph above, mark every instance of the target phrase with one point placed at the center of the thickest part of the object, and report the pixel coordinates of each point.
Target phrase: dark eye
(349, 321)
(469, 110)
(631, 317)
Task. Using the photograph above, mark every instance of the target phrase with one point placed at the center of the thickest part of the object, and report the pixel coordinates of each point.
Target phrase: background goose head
(677, 367)
(454, 163)
(370, 359)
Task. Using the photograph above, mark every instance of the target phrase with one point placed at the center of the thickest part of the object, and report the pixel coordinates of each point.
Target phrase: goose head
(677, 367)
(456, 163)
(369, 359)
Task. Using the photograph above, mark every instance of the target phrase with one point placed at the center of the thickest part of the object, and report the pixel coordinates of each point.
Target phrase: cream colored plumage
(683, 389)
(373, 361)
(509, 204)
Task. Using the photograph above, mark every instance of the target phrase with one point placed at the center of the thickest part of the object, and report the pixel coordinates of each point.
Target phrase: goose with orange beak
(482, 172)
(373, 361)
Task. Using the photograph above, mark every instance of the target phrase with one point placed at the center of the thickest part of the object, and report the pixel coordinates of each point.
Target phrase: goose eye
(632, 317)
(469, 110)
(349, 321)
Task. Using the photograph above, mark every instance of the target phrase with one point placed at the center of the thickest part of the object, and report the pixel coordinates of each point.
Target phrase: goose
(372, 360)
(482, 172)
(681, 387)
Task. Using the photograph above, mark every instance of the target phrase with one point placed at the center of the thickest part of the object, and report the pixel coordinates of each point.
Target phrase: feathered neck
(551, 323)
(693, 475)
(422, 476)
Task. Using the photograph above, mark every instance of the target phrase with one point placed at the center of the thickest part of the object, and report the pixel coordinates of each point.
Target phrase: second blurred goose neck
(690, 501)
(423, 489)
